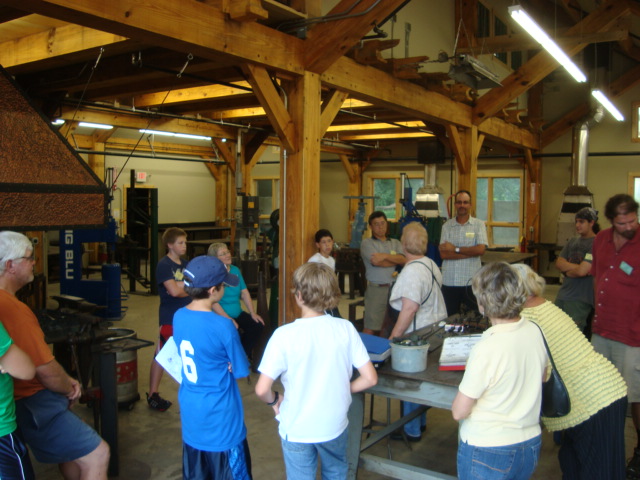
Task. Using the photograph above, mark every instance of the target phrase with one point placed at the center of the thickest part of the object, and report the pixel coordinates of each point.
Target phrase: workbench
(431, 387)
(490, 256)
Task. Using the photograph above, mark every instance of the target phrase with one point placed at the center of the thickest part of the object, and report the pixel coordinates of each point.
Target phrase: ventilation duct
(577, 195)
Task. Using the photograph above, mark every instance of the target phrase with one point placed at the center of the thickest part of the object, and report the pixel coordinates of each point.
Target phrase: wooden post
(300, 208)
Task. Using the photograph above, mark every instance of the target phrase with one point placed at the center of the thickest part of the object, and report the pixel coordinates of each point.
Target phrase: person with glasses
(462, 243)
(43, 405)
(249, 323)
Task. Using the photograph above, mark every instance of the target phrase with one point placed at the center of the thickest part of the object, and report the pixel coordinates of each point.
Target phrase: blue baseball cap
(207, 272)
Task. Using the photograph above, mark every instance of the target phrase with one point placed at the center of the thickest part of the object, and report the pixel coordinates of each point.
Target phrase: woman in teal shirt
(249, 323)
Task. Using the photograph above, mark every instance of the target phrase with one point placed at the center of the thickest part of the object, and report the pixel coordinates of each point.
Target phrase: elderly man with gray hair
(52, 431)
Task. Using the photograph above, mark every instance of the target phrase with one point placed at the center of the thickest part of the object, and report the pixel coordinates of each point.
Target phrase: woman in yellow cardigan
(593, 441)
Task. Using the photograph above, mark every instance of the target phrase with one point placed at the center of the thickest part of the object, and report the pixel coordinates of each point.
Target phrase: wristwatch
(457, 249)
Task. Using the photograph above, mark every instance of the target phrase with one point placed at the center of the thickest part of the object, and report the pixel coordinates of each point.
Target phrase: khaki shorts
(626, 359)
(375, 306)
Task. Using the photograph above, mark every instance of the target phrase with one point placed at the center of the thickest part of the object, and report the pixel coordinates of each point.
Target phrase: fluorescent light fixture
(101, 126)
(58, 121)
(172, 134)
(601, 97)
(533, 29)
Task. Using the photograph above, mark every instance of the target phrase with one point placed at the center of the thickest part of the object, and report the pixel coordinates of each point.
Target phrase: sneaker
(156, 402)
(633, 467)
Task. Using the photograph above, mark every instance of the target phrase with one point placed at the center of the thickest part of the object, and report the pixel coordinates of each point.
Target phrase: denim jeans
(412, 428)
(509, 462)
(301, 459)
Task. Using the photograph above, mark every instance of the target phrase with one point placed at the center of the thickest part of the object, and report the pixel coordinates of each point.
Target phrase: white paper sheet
(169, 358)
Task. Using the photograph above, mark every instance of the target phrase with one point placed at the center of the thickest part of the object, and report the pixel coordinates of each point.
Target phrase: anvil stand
(105, 376)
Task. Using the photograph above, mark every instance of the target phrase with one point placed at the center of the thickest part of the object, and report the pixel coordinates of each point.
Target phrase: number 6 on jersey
(188, 365)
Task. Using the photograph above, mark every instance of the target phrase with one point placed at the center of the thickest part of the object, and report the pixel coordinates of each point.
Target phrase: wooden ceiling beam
(348, 168)
(190, 95)
(177, 125)
(224, 150)
(330, 108)
(194, 27)
(327, 42)
(202, 30)
(273, 105)
(542, 64)
(377, 87)
(455, 142)
(56, 43)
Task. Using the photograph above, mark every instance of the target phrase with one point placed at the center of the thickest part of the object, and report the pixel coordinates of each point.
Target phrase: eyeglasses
(31, 258)
(223, 254)
(379, 224)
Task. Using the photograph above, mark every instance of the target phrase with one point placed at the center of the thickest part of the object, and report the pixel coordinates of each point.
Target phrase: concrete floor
(150, 441)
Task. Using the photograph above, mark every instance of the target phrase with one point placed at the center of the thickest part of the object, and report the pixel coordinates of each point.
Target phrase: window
(634, 185)
(388, 194)
(268, 192)
(499, 204)
(490, 25)
(635, 122)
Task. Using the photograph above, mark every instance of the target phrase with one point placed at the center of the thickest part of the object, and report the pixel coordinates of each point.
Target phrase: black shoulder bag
(555, 397)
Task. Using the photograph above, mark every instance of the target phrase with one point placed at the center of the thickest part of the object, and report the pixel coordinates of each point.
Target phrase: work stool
(349, 264)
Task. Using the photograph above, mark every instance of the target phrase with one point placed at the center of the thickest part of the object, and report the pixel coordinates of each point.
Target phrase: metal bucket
(126, 368)
(409, 359)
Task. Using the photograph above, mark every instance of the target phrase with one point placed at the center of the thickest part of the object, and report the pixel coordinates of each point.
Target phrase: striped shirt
(458, 273)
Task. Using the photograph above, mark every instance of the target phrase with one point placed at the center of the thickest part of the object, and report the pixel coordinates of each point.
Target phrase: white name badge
(470, 234)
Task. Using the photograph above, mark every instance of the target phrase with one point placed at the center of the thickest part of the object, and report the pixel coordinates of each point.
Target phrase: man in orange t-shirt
(52, 431)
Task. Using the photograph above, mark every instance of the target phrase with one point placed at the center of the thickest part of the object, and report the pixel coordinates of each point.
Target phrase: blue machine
(106, 292)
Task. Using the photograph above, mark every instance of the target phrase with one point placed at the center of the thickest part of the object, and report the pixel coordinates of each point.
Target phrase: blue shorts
(53, 432)
(15, 463)
(232, 464)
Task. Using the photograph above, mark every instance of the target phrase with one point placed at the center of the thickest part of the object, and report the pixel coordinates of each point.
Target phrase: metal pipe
(150, 157)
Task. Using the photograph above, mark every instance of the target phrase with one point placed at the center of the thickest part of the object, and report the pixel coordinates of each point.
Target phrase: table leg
(356, 417)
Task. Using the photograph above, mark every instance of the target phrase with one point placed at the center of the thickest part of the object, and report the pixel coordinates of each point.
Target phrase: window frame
(631, 184)
(635, 118)
(490, 224)
(368, 184)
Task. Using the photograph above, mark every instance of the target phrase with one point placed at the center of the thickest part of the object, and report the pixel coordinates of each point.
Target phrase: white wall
(186, 190)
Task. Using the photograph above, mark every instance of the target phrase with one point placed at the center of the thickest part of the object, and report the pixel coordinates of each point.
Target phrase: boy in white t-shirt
(324, 244)
(314, 357)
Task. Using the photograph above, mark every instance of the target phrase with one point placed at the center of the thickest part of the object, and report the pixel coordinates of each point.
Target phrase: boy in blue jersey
(213, 432)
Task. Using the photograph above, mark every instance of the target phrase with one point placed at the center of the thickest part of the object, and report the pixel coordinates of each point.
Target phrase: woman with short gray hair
(499, 398)
(593, 431)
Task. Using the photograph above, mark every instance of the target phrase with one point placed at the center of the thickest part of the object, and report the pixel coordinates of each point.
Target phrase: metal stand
(104, 357)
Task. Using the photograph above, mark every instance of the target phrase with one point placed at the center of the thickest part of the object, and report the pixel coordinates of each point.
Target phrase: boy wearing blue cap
(213, 432)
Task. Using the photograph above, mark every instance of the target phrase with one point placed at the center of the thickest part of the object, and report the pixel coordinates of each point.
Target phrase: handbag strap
(546, 345)
(433, 280)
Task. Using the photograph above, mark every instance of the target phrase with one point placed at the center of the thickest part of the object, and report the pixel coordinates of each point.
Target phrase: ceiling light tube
(606, 103)
(101, 126)
(58, 121)
(533, 29)
(172, 134)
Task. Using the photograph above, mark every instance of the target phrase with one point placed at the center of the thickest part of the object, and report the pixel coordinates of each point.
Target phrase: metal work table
(431, 387)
